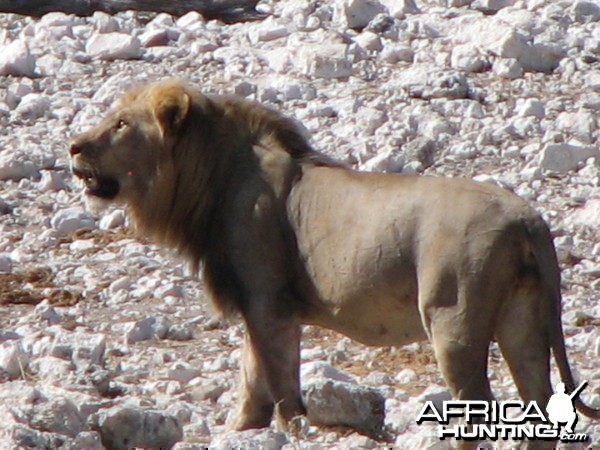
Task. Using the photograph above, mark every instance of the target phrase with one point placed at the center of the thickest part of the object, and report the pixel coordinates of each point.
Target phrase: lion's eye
(120, 124)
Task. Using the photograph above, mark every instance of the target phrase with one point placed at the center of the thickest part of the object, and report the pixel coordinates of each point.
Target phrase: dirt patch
(390, 360)
(32, 286)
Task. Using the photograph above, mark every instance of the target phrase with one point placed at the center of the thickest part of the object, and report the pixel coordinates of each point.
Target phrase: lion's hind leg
(462, 358)
(522, 334)
(458, 318)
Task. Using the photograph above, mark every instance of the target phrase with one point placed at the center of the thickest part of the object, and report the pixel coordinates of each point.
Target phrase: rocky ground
(106, 340)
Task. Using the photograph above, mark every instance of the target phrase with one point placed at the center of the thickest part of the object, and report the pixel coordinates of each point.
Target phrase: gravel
(103, 335)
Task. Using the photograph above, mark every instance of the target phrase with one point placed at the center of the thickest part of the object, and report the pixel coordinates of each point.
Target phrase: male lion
(286, 237)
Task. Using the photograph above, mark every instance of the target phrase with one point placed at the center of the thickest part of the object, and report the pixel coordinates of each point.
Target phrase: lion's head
(119, 158)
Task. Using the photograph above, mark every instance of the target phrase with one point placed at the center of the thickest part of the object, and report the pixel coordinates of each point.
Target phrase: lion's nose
(74, 150)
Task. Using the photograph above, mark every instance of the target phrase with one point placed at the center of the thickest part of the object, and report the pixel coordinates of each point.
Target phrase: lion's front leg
(256, 404)
(270, 374)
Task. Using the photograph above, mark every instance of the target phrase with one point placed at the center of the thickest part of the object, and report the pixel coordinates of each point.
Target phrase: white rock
(467, 57)
(146, 329)
(104, 23)
(57, 19)
(542, 57)
(123, 283)
(406, 376)
(112, 220)
(324, 61)
(81, 245)
(581, 124)
(330, 402)
(435, 128)
(262, 439)
(44, 311)
(33, 106)
(393, 53)
(51, 369)
(72, 219)
(507, 68)
(6, 263)
(369, 41)
(123, 428)
(191, 19)
(424, 81)
(564, 157)
(295, 90)
(592, 80)
(183, 372)
(169, 290)
(491, 6)
(531, 107)
(266, 31)
(370, 119)
(278, 60)
(18, 90)
(112, 46)
(13, 359)
(586, 11)
(357, 14)
(388, 160)
(588, 215)
(21, 436)
(16, 59)
(398, 8)
(52, 181)
(59, 415)
(504, 42)
(316, 370)
(88, 440)
(154, 37)
(421, 150)
(80, 347)
(179, 333)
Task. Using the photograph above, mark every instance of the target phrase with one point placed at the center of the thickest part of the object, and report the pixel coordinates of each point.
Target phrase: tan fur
(286, 237)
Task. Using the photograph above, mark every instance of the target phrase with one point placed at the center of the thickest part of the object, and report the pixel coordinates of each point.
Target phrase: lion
(285, 236)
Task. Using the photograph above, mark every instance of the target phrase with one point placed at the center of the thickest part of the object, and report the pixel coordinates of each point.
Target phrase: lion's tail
(545, 255)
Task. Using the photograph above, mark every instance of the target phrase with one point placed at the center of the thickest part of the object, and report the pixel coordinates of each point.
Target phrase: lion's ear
(170, 107)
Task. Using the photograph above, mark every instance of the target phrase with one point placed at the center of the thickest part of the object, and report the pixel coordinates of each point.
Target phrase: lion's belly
(367, 293)
(380, 320)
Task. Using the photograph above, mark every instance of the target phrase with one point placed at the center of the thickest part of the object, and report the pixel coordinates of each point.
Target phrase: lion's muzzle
(98, 186)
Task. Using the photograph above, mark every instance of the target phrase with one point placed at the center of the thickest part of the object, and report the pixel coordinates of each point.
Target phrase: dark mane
(265, 124)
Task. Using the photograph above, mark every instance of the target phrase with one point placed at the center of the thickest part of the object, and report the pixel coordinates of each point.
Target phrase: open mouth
(103, 187)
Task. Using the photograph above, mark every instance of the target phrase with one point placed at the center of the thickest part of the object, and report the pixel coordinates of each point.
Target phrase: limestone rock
(59, 415)
(13, 359)
(358, 13)
(146, 329)
(16, 59)
(262, 439)
(122, 428)
(111, 46)
(564, 156)
(331, 402)
(72, 219)
(324, 61)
